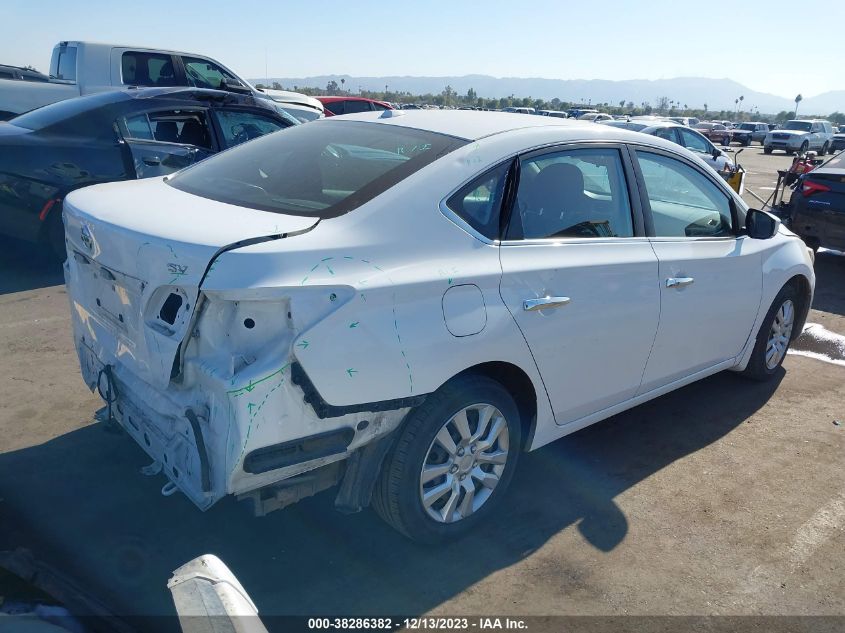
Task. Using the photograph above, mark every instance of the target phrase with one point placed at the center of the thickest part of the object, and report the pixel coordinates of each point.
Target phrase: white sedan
(402, 302)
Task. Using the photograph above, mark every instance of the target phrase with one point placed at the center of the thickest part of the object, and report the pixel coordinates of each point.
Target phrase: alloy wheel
(779, 335)
(464, 463)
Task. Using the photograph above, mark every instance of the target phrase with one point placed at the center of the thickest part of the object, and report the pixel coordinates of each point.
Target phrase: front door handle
(152, 161)
(544, 303)
(679, 282)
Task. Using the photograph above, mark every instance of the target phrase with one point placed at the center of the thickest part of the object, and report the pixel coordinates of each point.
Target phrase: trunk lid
(137, 254)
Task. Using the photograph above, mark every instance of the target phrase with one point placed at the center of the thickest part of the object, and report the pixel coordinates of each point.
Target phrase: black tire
(824, 150)
(804, 147)
(757, 368)
(767, 150)
(396, 497)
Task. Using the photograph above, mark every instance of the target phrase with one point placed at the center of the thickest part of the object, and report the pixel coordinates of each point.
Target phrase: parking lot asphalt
(725, 497)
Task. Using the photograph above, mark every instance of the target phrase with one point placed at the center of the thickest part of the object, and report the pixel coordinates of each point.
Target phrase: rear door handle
(544, 303)
(679, 282)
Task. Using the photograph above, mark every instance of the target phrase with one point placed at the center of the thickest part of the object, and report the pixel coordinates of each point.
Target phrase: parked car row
(692, 139)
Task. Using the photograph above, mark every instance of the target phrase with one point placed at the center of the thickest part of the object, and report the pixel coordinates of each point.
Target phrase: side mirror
(233, 84)
(716, 153)
(760, 225)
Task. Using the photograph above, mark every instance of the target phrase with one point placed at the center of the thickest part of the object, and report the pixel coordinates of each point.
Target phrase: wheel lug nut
(463, 477)
(460, 452)
(472, 448)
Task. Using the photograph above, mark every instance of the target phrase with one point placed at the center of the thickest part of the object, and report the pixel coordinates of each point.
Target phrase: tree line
(662, 106)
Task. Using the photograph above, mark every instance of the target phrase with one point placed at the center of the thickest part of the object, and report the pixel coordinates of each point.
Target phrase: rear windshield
(89, 115)
(322, 169)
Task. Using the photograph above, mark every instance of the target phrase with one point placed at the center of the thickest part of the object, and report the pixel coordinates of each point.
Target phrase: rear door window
(185, 127)
(147, 69)
(571, 194)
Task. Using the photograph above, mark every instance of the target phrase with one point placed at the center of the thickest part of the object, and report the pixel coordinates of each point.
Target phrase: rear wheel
(824, 149)
(453, 461)
(767, 150)
(774, 336)
(804, 147)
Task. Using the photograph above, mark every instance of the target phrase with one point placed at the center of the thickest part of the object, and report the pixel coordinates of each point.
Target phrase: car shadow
(27, 266)
(830, 277)
(80, 501)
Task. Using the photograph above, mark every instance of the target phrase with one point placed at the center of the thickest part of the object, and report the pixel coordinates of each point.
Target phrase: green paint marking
(363, 298)
(250, 407)
(450, 281)
(325, 259)
(252, 385)
(303, 344)
(351, 371)
(354, 324)
(347, 257)
(302, 283)
(330, 269)
(316, 266)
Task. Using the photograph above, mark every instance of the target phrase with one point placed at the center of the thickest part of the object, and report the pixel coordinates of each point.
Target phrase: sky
(757, 43)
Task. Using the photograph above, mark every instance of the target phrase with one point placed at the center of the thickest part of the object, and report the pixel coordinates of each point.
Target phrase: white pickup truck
(80, 68)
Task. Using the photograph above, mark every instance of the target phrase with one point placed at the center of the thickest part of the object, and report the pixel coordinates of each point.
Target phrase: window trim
(738, 231)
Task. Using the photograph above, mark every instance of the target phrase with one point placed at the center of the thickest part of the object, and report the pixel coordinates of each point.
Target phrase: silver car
(800, 136)
(683, 136)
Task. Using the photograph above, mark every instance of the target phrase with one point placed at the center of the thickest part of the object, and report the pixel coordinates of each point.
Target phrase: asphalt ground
(723, 498)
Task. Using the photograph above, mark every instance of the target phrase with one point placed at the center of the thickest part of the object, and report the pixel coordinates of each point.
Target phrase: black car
(109, 136)
(818, 205)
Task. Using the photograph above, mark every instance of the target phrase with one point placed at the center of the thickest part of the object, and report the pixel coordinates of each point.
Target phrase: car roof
(472, 125)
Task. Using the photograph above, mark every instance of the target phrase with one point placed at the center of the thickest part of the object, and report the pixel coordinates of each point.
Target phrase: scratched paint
(324, 263)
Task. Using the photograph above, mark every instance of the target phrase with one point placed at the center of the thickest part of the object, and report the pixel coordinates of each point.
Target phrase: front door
(710, 276)
(579, 278)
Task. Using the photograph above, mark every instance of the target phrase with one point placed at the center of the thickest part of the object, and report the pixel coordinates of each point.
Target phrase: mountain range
(718, 94)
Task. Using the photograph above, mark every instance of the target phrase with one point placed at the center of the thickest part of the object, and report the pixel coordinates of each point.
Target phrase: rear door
(580, 277)
(164, 141)
(710, 275)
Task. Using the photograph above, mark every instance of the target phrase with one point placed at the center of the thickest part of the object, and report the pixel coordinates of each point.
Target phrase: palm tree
(705, 107)
(798, 100)
(342, 82)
